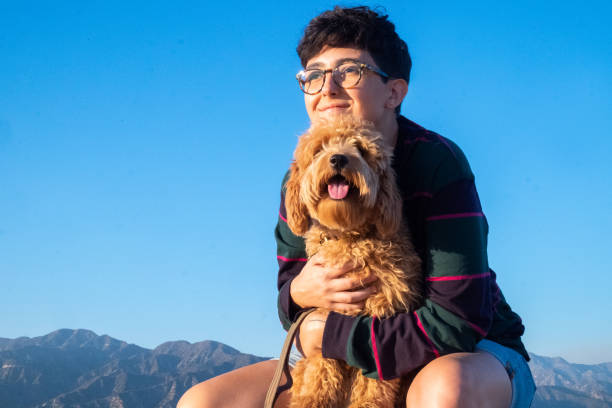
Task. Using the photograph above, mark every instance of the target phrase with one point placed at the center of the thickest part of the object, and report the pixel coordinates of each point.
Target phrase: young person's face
(371, 99)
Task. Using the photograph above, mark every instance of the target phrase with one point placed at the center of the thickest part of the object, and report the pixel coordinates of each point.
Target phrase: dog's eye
(362, 150)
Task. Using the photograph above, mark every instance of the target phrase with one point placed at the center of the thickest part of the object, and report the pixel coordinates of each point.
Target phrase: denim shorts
(523, 387)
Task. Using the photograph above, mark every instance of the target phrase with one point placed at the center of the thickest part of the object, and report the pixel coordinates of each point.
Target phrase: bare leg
(245, 387)
(462, 380)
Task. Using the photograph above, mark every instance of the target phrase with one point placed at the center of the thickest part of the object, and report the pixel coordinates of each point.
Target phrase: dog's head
(341, 176)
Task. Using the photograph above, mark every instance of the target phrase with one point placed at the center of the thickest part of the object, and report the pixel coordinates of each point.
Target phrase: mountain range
(80, 369)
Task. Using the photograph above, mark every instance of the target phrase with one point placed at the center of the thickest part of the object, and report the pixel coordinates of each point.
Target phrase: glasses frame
(362, 67)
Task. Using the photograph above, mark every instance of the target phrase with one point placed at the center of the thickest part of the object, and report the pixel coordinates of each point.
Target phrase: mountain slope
(566, 385)
(77, 368)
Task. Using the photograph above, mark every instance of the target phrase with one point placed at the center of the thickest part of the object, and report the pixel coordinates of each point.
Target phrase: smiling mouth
(333, 107)
(338, 187)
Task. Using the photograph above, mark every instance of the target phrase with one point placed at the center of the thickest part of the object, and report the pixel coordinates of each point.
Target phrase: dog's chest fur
(393, 261)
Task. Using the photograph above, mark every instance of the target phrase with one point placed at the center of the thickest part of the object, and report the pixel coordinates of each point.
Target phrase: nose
(330, 87)
(338, 161)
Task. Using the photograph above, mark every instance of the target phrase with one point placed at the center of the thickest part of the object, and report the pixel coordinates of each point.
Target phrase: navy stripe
(495, 290)
(458, 197)
(338, 328)
(287, 307)
(288, 271)
(401, 336)
(470, 299)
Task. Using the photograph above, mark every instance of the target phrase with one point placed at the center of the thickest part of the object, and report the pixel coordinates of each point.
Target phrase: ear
(399, 89)
(389, 205)
(297, 213)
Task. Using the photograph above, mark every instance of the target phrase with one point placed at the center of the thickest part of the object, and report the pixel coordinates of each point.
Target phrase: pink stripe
(478, 329)
(426, 336)
(375, 350)
(281, 215)
(458, 277)
(458, 215)
(422, 194)
(417, 139)
(282, 258)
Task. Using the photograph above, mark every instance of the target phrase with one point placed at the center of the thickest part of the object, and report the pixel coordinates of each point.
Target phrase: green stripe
(284, 182)
(289, 245)
(432, 166)
(457, 246)
(448, 332)
(359, 352)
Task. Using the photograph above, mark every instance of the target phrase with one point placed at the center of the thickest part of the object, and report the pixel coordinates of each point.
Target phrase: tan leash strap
(283, 361)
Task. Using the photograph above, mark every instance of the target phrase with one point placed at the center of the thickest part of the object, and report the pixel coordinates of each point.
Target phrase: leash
(283, 362)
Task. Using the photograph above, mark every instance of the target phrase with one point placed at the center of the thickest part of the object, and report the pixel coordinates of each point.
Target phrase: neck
(326, 233)
(389, 128)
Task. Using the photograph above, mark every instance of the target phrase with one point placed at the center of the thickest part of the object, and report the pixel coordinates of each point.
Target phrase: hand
(323, 285)
(309, 339)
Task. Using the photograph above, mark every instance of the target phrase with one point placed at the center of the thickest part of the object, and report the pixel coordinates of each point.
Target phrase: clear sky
(142, 145)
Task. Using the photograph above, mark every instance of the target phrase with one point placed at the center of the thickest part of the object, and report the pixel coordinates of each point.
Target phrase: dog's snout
(338, 161)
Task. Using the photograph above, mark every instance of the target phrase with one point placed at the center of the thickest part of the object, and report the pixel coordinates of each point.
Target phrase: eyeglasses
(346, 75)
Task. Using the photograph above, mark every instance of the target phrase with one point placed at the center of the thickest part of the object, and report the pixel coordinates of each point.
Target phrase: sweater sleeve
(457, 311)
(291, 256)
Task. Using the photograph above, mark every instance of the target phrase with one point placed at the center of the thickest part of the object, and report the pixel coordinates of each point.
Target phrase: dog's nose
(338, 161)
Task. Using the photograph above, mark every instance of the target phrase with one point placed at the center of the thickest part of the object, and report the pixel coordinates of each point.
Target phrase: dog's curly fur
(366, 228)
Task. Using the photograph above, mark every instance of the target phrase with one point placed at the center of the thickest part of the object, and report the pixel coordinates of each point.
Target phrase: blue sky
(142, 147)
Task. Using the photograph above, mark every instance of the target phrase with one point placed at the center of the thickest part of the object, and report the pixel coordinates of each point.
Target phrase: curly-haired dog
(343, 198)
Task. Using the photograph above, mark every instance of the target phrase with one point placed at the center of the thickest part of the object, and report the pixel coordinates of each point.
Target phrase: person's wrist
(292, 294)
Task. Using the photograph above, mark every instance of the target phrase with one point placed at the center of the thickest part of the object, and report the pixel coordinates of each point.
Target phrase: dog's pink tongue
(338, 189)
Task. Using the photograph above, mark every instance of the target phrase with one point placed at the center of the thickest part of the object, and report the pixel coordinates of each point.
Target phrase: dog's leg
(371, 393)
(319, 382)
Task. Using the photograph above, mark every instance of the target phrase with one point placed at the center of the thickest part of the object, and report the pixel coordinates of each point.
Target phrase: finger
(317, 259)
(369, 280)
(335, 271)
(347, 267)
(349, 284)
(344, 284)
(346, 308)
(352, 297)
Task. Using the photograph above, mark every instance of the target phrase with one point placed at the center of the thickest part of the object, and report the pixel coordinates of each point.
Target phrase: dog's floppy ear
(297, 213)
(389, 205)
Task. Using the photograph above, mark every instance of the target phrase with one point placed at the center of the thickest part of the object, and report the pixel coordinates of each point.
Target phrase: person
(463, 347)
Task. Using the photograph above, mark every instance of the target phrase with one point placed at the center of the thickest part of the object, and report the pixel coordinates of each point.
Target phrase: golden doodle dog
(342, 197)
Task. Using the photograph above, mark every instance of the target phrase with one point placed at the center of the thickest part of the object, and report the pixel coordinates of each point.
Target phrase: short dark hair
(361, 28)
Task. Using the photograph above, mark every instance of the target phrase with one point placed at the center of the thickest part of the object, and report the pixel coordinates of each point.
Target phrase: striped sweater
(463, 303)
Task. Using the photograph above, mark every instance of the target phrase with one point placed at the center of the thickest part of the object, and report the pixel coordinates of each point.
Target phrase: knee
(443, 383)
(199, 396)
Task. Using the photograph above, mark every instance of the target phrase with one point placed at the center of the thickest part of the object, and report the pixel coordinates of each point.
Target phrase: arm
(458, 309)
(291, 256)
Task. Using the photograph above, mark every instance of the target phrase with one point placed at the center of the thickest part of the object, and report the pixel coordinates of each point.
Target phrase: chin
(342, 215)
(330, 114)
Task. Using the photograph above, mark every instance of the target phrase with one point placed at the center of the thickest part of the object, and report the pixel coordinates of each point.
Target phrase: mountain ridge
(78, 368)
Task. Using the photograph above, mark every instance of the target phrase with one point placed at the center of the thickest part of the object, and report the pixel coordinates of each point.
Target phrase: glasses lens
(311, 80)
(347, 74)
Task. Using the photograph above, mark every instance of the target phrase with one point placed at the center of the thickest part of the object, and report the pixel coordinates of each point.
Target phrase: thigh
(241, 388)
(461, 380)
